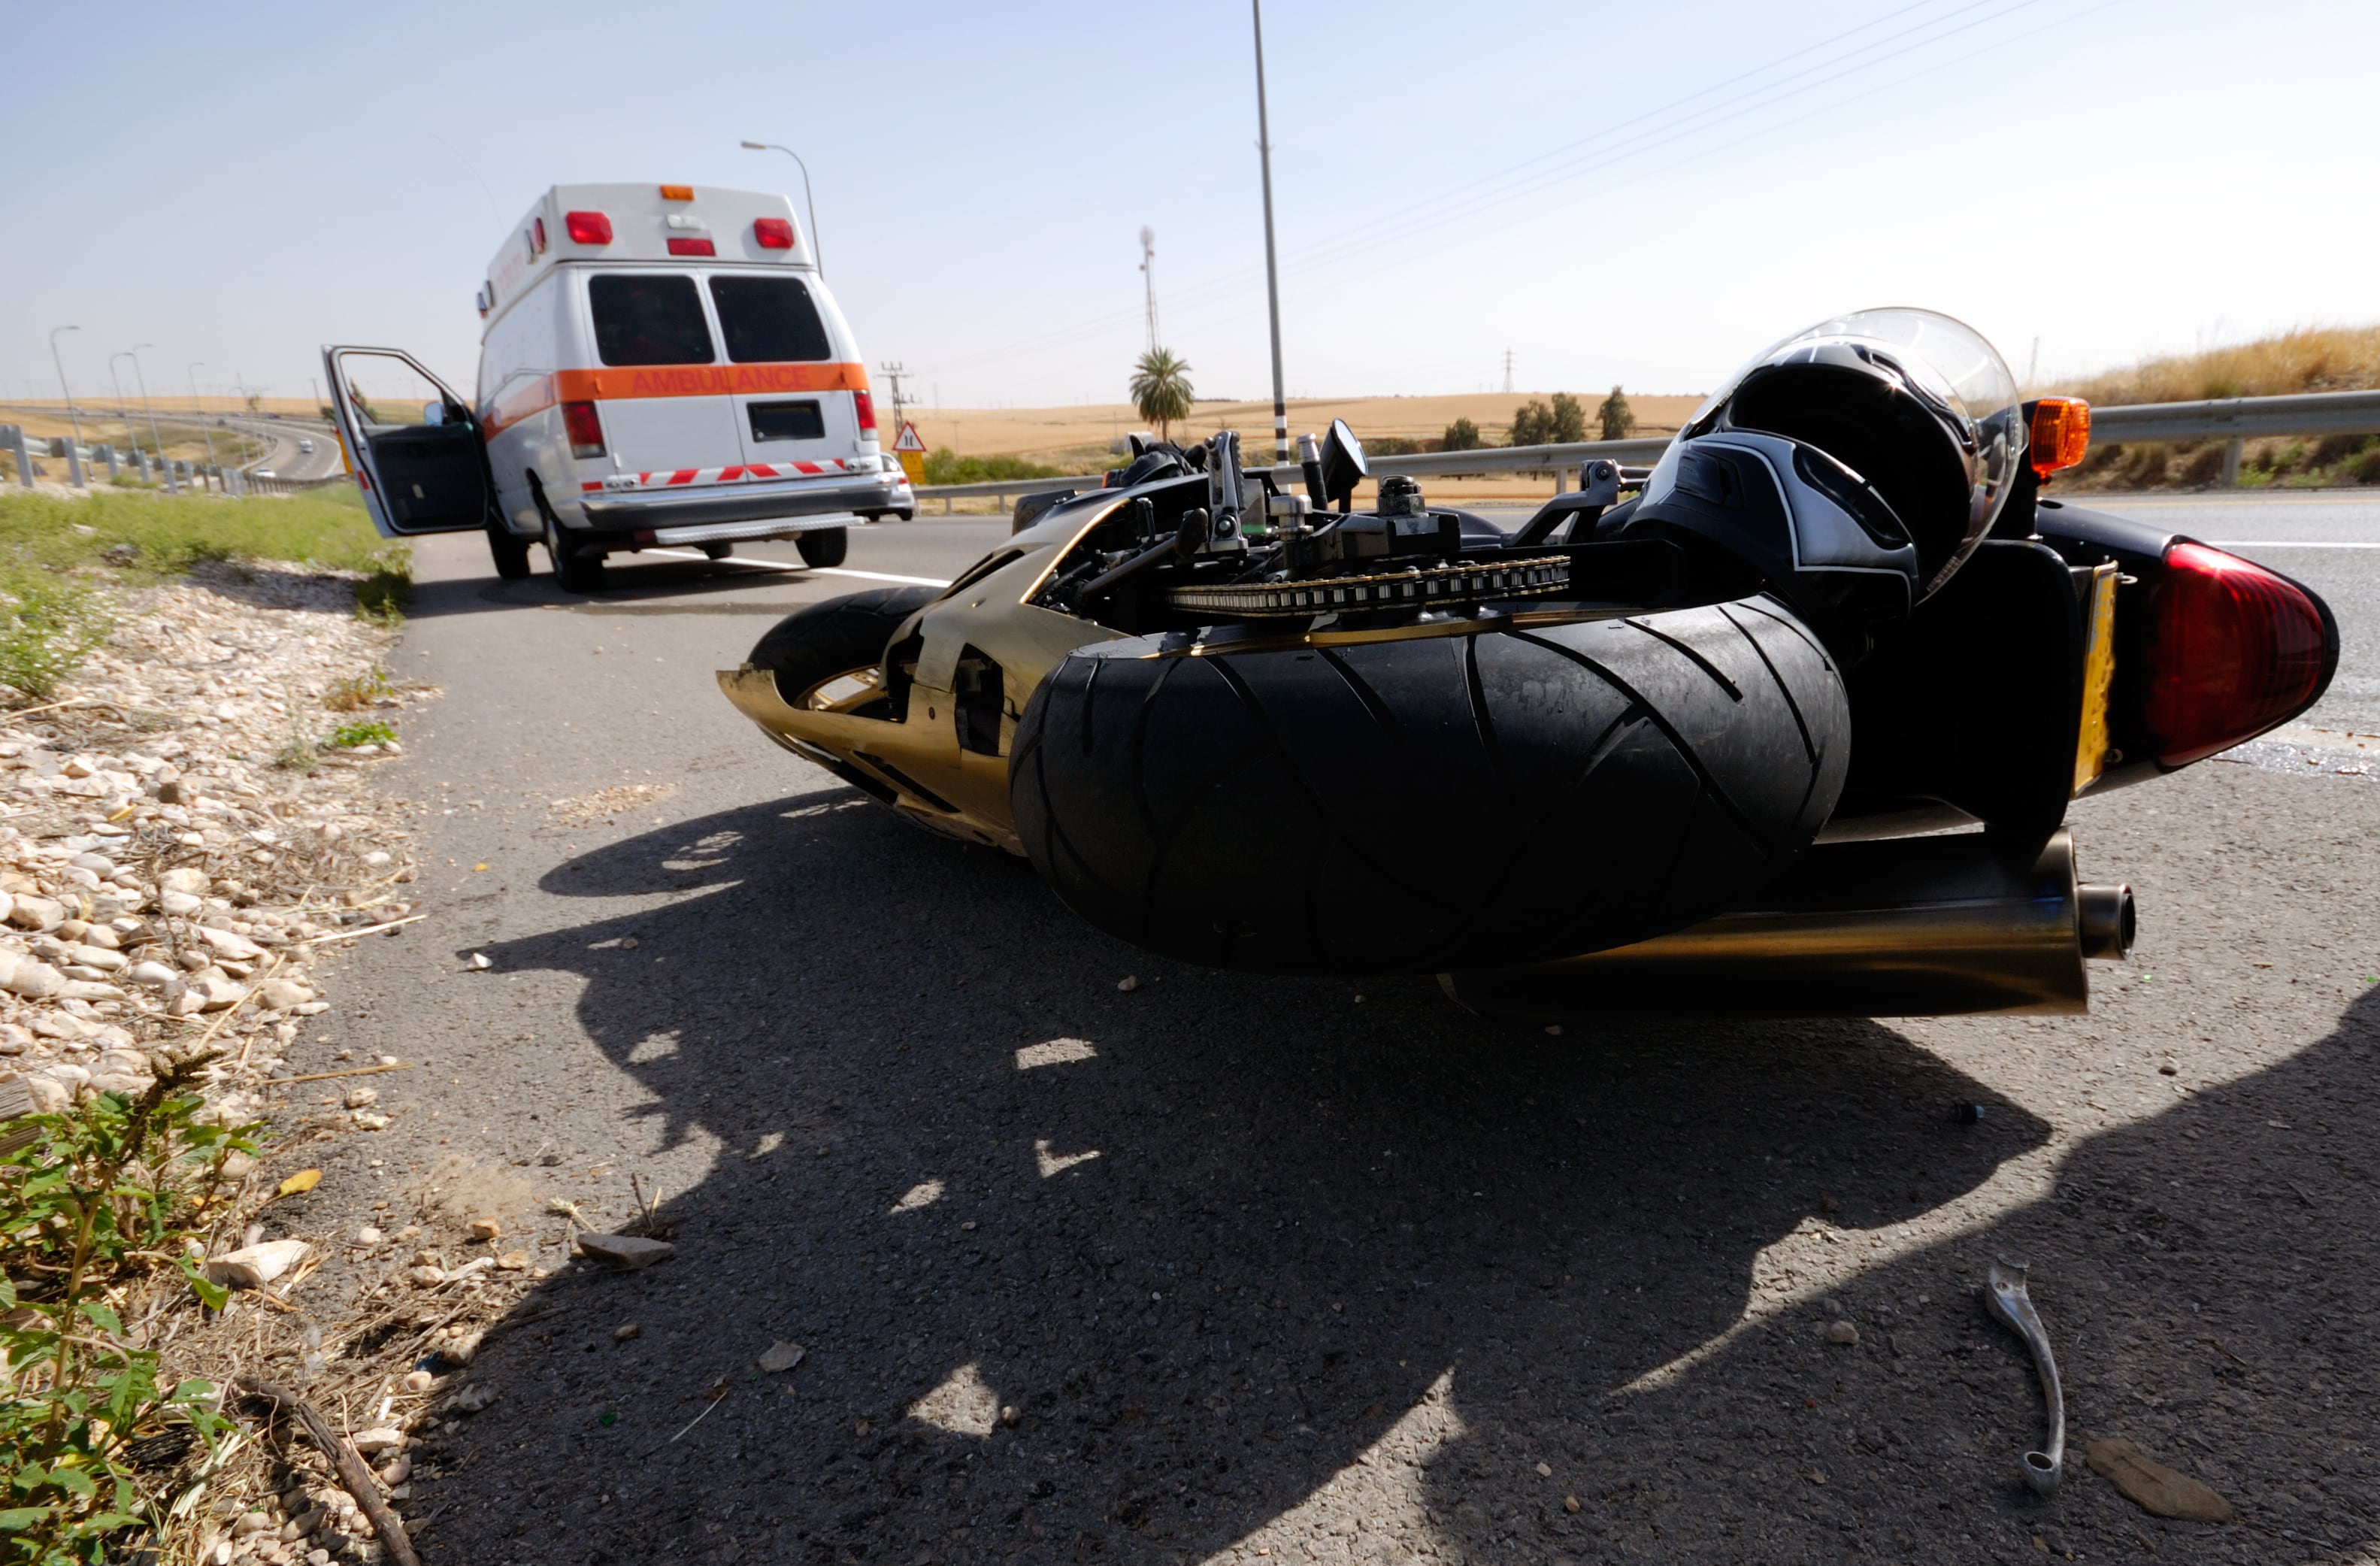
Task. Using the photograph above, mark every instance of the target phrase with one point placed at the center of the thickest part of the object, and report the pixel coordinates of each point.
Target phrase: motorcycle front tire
(1426, 803)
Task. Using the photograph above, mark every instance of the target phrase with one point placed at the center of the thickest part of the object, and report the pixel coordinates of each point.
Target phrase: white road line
(808, 570)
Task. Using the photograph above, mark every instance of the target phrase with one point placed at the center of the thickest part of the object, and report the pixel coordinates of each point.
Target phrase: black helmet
(1904, 430)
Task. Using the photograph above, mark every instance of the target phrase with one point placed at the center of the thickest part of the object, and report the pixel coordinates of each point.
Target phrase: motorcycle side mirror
(1342, 465)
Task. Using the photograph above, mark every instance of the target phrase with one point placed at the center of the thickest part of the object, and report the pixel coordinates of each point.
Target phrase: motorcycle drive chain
(1409, 589)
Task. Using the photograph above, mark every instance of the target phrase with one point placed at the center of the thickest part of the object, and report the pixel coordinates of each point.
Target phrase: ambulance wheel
(511, 554)
(717, 551)
(823, 546)
(574, 570)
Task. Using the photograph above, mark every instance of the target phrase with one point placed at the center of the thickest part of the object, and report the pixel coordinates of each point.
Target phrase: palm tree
(1160, 390)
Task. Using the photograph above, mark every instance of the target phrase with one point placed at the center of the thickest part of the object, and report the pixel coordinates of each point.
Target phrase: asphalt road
(281, 458)
(1312, 1269)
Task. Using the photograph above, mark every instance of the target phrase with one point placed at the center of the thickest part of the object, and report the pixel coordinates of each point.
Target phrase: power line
(1498, 189)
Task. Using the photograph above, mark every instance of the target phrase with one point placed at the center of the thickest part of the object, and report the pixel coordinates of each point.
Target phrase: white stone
(185, 879)
(252, 1267)
(238, 948)
(29, 912)
(181, 904)
(32, 978)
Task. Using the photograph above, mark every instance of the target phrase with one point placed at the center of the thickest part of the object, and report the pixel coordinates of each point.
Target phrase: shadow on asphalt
(1324, 1238)
(628, 588)
(1266, 1261)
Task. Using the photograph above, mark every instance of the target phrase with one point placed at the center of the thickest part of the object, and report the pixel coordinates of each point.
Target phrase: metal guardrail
(2234, 418)
(2231, 419)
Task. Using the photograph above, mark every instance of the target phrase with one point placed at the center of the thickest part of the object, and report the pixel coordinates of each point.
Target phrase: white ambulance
(660, 366)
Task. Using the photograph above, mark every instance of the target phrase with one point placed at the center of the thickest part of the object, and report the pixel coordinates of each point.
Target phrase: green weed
(48, 625)
(373, 732)
(97, 1201)
(357, 691)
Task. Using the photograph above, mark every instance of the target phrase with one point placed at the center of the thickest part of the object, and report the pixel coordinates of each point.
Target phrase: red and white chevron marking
(671, 479)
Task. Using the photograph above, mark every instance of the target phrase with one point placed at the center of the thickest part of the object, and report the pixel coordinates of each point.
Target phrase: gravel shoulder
(1227, 1267)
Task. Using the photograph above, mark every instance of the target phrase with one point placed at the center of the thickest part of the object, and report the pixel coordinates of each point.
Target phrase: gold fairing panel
(2091, 745)
(919, 762)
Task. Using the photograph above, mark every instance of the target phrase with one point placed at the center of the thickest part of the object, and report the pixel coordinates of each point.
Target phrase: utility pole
(1148, 279)
(1272, 269)
(894, 372)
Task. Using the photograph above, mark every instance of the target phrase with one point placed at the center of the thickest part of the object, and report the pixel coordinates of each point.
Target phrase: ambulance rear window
(768, 321)
(648, 319)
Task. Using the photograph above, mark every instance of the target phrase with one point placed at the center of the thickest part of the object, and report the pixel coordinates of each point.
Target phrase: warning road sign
(910, 448)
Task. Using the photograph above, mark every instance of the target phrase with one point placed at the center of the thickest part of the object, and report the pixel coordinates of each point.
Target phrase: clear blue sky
(240, 183)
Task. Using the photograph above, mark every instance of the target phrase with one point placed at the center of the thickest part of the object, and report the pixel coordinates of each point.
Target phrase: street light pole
(199, 418)
(1272, 271)
(72, 417)
(818, 251)
(123, 408)
(147, 407)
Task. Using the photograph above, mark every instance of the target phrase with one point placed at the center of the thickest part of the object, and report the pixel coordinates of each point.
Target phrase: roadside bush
(2203, 465)
(1616, 418)
(48, 625)
(1460, 436)
(96, 1203)
(2366, 469)
(2337, 448)
(171, 533)
(944, 466)
(2144, 465)
(1536, 424)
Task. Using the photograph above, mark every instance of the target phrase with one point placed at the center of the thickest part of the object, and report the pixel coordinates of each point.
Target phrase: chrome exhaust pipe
(1902, 927)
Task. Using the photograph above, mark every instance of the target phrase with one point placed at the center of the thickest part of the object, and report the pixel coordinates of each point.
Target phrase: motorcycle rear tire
(1431, 803)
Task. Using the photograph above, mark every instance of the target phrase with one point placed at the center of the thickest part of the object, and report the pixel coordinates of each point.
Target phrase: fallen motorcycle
(1689, 750)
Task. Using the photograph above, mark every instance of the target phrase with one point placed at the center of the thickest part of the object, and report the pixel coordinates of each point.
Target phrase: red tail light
(867, 406)
(692, 247)
(2236, 650)
(773, 233)
(586, 428)
(587, 228)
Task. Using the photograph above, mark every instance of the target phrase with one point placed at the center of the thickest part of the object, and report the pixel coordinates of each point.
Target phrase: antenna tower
(1508, 372)
(1148, 280)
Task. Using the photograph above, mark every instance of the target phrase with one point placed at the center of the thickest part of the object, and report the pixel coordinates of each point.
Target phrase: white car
(660, 366)
(307, 447)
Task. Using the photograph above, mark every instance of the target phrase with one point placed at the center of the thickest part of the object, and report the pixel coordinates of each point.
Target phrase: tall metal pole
(1272, 271)
(199, 415)
(818, 253)
(1148, 280)
(140, 379)
(146, 405)
(72, 417)
(123, 408)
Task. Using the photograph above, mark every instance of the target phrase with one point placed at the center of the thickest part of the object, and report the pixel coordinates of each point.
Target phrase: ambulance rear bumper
(633, 511)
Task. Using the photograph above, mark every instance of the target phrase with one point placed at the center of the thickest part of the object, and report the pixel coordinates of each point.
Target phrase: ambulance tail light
(587, 228)
(866, 404)
(773, 233)
(692, 247)
(2234, 650)
(586, 428)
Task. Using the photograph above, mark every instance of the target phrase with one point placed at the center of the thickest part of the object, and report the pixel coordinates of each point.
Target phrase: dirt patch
(606, 805)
